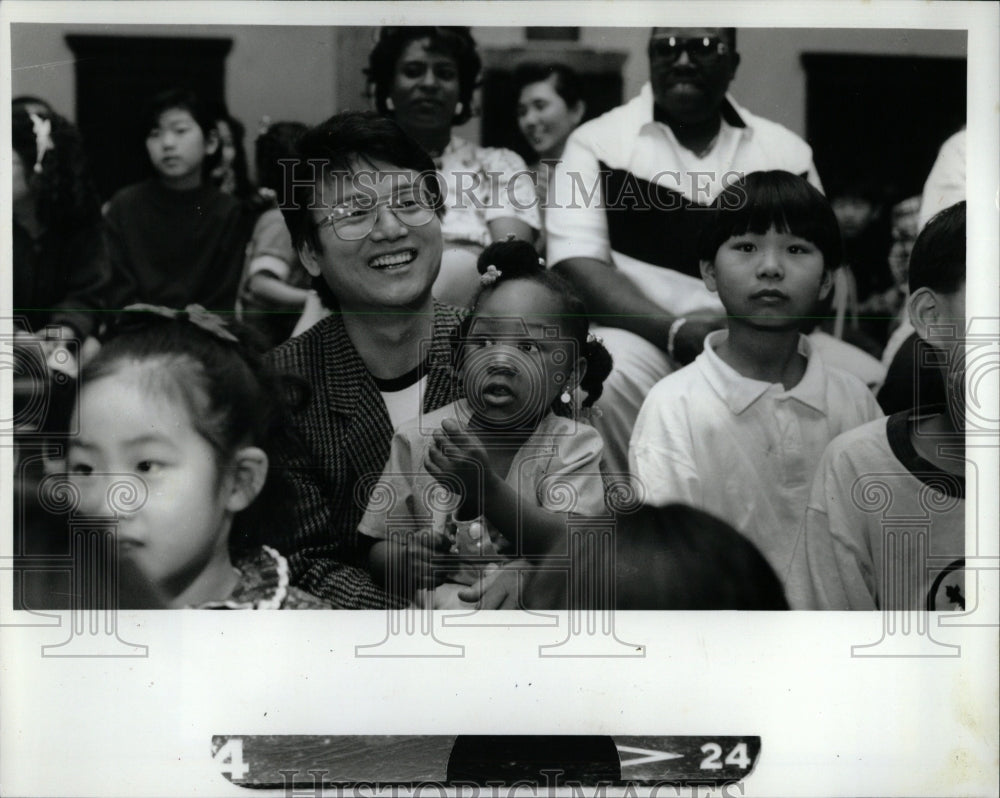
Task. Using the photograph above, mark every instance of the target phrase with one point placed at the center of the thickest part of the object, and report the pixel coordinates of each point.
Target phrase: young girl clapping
(496, 474)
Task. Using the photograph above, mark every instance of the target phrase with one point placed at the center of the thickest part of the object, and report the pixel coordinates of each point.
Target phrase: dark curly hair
(515, 259)
(65, 196)
(454, 42)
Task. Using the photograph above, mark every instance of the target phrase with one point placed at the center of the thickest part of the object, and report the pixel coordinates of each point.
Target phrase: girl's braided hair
(514, 259)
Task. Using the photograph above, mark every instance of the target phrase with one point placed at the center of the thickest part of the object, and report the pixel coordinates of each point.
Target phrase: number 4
(229, 759)
(737, 757)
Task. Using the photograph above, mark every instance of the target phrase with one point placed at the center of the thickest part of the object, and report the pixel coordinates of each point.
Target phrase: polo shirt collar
(739, 392)
(732, 113)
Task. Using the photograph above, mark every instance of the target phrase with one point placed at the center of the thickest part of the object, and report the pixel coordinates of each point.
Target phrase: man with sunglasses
(626, 204)
(363, 207)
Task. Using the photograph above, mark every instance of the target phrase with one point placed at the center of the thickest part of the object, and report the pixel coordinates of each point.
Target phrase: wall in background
(285, 72)
(307, 73)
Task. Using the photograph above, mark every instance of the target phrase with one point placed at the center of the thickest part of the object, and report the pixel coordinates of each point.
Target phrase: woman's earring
(389, 104)
(458, 108)
(565, 398)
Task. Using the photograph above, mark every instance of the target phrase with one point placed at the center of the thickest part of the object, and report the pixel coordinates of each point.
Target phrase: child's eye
(148, 467)
(80, 469)
(799, 249)
(527, 346)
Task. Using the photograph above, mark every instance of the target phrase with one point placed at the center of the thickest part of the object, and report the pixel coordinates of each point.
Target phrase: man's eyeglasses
(355, 220)
(699, 48)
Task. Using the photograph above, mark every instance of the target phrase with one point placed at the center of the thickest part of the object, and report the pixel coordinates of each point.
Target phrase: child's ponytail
(599, 365)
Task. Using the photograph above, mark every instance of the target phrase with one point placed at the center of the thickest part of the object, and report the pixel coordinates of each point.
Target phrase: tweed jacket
(343, 434)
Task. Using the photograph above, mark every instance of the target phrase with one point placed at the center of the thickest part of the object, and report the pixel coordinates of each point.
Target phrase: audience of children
(909, 466)
(740, 431)
(181, 401)
(275, 285)
(512, 457)
(750, 458)
(175, 239)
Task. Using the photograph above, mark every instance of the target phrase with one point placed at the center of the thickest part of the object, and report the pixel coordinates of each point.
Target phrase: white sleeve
(515, 187)
(574, 484)
(946, 182)
(660, 457)
(831, 568)
(575, 225)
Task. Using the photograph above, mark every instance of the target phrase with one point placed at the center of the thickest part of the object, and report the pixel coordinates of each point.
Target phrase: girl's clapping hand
(458, 454)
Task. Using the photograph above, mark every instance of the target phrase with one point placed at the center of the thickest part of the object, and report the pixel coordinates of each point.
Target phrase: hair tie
(491, 275)
(593, 339)
(541, 262)
(42, 129)
(195, 314)
(264, 125)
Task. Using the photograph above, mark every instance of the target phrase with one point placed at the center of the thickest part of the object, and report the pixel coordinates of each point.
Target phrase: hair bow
(594, 339)
(195, 314)
(42, 129)
(264, 125)
(491, 275)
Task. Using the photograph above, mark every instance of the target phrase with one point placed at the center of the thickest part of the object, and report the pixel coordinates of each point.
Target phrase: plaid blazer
(344, 434)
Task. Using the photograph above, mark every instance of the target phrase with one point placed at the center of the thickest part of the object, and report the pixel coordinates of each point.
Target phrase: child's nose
(770, 262)
(112, 495)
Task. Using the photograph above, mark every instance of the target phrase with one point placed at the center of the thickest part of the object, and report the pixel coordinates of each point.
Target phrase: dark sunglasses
(699, 48)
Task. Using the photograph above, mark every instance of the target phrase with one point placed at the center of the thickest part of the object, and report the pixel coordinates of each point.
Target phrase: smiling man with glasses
(629, 195)
(363, 207)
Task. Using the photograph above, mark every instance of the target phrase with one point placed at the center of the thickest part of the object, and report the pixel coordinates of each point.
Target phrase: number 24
(738, 756)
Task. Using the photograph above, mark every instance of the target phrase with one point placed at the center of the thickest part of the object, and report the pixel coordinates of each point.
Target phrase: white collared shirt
(742, 449)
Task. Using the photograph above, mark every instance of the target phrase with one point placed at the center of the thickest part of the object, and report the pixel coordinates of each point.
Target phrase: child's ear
(211, 142)
(249, 474)
(825, 285)
(577, 374)
(708, 274)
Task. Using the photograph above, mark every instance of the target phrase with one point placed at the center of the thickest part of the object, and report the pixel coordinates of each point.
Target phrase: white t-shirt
(885, 529)
(404, 405)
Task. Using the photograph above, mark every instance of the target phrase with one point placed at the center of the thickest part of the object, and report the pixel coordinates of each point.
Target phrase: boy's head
(937, 290)
(180, 135)
(768, 247)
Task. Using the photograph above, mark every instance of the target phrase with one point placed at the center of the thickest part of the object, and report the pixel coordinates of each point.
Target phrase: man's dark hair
(730, 34)
(335, 147)
(937, 260)
(183, 99)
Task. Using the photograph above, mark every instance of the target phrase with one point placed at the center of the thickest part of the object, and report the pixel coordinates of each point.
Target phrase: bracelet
(672, 335)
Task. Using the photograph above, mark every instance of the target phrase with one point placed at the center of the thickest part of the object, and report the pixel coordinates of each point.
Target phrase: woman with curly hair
(60, 263)
(424, 78)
